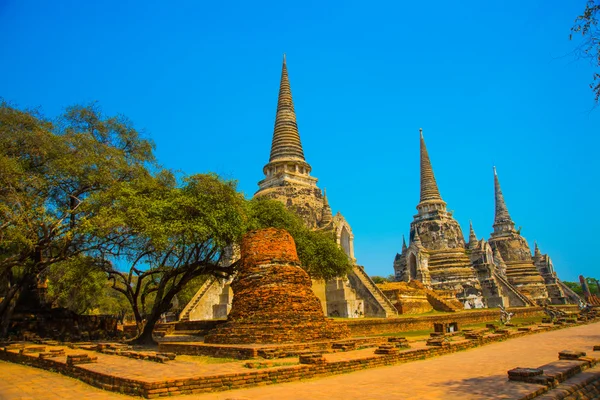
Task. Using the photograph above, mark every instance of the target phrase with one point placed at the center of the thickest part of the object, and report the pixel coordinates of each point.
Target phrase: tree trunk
(145, 338)
(7, 306)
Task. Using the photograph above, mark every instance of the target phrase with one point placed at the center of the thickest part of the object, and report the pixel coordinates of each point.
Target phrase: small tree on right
(587, 25)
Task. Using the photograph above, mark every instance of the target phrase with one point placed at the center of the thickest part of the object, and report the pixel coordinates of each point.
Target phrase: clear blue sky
(491, 83)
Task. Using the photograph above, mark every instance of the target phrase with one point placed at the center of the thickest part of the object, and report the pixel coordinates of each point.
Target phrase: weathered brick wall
(62, 324)
(199, 326)
(394, 325)
(273, 301)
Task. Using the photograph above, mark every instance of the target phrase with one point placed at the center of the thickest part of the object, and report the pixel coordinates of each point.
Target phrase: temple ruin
(480, 273)
(454, 273)
(288, 180)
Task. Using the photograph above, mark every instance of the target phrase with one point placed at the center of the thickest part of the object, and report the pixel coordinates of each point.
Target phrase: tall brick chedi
(273, 300)
(520, 270)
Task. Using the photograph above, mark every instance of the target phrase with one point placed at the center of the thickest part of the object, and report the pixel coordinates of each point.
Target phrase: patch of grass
(284, 364)
(204, 360)
(516, 321)
(524, 320)
(409, 334)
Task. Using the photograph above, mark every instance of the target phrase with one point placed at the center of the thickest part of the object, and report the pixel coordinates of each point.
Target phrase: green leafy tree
(48, 173)
(587, 26)
(594, 286)
(174, 235)
(111, 302)
(576, 286)
(381, 279)
(77, 284)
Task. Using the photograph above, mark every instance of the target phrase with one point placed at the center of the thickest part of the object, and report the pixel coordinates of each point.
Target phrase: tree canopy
(592, 284)
(587, 26)
(172, 235)
(82, 198)
(49, 171)
(178, 233)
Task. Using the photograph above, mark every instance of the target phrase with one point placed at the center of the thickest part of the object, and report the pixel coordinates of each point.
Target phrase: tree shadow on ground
(487, 387)
(591, 338)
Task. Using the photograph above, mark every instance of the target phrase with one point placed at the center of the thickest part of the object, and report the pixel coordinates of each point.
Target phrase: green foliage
(111, 302)
(576, 286)
(587, 25)
(81, 285)
(319, 255)
(379, 279)
(51, 175)
(76, 284)
(81, 197)
(171, 235)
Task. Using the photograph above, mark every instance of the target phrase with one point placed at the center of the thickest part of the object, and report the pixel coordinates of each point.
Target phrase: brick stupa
(273, 301)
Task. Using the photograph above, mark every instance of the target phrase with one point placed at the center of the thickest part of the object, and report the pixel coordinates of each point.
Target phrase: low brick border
(583, 386)
(560, 379)
(377, 326)
(249, 352)
(274, 375)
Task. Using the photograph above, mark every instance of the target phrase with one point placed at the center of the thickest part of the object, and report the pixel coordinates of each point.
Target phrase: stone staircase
(571, 295)
(440, 304)
(161, 330)
(514, 290)
(377, 294)
(185, 314)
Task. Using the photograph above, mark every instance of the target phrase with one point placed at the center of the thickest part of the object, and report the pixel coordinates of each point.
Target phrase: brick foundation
(366, 327)
(204, 384)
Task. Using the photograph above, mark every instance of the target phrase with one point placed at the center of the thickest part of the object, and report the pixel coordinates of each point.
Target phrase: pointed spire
(417, 238)
(403, 244)
(286, 139)
(536, 250)
(472, 236)
(327, 214)
(500, 264)
(501, 216)
(429, 189)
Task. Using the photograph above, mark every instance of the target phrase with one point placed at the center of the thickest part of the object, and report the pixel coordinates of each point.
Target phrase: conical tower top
(403, 244)
(431, 201)
(472, 236)
(536, 250)
(417, 238)
(502, 221)
(286, 143)
(429, 189)
(327, 214)
(286, 165)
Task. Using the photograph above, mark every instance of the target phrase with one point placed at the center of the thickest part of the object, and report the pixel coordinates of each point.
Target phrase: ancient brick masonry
(273, 300)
